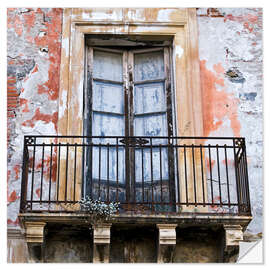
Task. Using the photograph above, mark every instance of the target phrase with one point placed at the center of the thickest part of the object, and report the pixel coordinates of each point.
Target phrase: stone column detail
(102, 239)
(167, 242)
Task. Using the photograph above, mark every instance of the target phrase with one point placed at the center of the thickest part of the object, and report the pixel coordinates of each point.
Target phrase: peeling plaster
(65, 45)
(179, 51)
(164, 15)
(63, 103)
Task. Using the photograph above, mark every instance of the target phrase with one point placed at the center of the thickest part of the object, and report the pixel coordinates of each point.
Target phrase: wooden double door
(129, 94)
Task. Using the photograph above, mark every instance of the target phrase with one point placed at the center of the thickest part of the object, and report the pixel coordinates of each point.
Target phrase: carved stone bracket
(102, 239)
(35, 240)
(233, 235)
(167, 242)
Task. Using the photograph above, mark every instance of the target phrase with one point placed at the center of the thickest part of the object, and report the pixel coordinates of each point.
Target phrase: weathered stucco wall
(230, 51)
(33, 55)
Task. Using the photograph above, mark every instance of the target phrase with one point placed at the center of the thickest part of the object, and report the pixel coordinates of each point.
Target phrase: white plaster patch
(44, 128)
(178, 51)
(164, 15)
(80, 98)
(135, 15)
(99, 15)
(62, 107)
(65, 45)
(85, 16)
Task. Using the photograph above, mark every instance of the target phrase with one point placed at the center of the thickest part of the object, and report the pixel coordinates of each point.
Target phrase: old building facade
(158, 109)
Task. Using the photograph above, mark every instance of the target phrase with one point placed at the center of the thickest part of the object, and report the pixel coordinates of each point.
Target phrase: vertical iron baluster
(142, 178)
(152, 183)
(24, 182)
(50, 180)
(90, 173)
(243, 184)
(194, 174)
(178, 175)
(246, 177)
(75, 167)
(133, 183)
(210, 167)
(83, 176)
(236, 176)
(227, 176)
(58, 171)
(99, 169)
(161, 182)
(108, 172)
(66, 172)
(201, 155)
(117, 181)
(186, 182)
(41, 177)
(219, 184)
(33, 172)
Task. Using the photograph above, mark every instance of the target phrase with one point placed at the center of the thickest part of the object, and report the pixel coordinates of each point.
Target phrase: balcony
(148, 176)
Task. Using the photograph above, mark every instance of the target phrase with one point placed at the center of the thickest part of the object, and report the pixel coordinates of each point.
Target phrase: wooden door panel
(149, 97)
(148, 66)
(108, 65)
(108, 97)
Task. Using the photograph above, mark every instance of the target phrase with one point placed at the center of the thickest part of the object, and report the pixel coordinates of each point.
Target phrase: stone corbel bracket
(167, 242)
(102, 239)
(233, 235)
(35, 240)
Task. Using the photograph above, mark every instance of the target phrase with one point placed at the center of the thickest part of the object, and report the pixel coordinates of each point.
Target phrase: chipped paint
(231, 77)
(179, 51)
(65, 45)
(227, 38)
(217, 104)
(36, 83)
(164, 15)
(63, 102)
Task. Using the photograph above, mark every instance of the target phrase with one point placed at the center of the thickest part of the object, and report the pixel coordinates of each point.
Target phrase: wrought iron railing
(154, 175)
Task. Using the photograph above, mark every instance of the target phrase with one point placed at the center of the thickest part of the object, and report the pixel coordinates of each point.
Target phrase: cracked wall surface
(33, 55)
(230, 51)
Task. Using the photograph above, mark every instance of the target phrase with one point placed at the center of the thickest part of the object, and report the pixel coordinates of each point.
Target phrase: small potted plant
(99, 210)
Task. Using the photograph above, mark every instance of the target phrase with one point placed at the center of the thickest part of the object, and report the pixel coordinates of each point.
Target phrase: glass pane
(108, 97)
(108, 125)
(154, 125)
(108, 66)
(109, 169)
(149, 66)
(149, 98)
(157, 173)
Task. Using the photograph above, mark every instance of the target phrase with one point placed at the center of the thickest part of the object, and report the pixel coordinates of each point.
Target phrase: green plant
(98, 209)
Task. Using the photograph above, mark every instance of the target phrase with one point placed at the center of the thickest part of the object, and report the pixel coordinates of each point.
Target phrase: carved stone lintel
(35, 239)
(167, 242)
(102, 236)
(233, 234)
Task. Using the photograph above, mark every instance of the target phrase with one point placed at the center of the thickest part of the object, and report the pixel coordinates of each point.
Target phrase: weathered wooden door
(129, 94)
